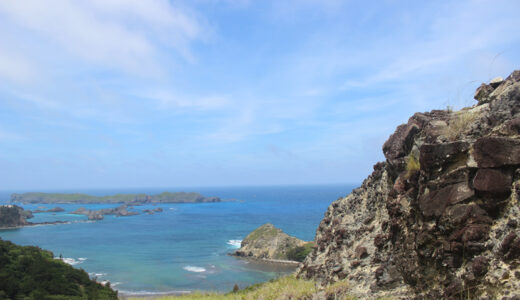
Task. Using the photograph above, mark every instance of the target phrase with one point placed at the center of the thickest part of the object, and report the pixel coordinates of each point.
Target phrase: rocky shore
(13, 216)
(439, 219)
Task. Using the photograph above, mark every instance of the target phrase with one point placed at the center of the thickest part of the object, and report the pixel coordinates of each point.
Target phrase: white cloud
(8, 136)
(15, 67)
(167, 99)
(126, 35)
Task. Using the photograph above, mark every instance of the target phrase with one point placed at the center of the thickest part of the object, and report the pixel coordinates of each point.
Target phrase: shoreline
(267, 260)
(125, 295)
(38, 224)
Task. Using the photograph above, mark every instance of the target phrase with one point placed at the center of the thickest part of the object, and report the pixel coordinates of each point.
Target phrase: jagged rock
(483, 92)
(435, 156)
(95, 216)
(447, 231)
(492, 152)
(493, 181)
(434, 202)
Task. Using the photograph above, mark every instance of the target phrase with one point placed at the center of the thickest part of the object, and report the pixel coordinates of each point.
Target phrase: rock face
(269, 242)
(440, 218)
(13, 216)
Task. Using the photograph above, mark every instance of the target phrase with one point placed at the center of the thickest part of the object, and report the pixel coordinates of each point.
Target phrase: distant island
(131, 199)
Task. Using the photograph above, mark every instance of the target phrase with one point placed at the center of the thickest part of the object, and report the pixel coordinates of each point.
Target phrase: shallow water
(185, 247)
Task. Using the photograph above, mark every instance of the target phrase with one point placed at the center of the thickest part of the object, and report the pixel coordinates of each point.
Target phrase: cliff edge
(13, 216)
(440, 217)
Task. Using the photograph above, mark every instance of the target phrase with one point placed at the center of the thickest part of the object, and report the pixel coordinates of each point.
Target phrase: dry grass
(283, 288)
(412, 164)
(338, 291)
(459, 124)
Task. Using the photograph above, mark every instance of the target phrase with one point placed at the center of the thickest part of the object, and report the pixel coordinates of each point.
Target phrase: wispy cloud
(295, 90)
(119, 34)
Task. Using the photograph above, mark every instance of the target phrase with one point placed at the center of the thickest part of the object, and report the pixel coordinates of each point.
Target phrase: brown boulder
(434, 203)
(361, 252)
(492, 181)
(400, 142)
(510, 246)
(482, 93)
(492, 152)
(480, 266)
(436, 156)
(471, 232)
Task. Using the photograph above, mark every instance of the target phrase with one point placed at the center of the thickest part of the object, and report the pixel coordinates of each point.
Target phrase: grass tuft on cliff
(283, 288)
(460, 124)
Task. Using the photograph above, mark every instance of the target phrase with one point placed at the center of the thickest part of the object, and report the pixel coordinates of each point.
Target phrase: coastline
(37, 224)
(125, 295)
(267, 260)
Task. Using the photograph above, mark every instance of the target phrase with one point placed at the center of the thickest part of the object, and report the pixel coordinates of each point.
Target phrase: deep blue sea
(185, 247)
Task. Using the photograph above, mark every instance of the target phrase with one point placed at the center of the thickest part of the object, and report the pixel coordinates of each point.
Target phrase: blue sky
(158, 93)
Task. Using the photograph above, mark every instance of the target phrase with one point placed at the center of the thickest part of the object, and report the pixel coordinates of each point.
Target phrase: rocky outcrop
(13, 216)
(55, 209)
(120, 211)
(440, 217)
(270, 243)
(153, 211)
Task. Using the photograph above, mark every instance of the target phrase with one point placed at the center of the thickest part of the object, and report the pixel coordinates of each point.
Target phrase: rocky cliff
(13, 216)
(271, 243)
(440, 217)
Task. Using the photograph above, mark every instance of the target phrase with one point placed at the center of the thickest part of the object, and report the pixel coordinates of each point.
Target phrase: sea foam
(235, 243)
(194, 269)
(72, 261)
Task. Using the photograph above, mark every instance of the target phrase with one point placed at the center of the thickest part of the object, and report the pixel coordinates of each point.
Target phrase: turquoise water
(185, 247)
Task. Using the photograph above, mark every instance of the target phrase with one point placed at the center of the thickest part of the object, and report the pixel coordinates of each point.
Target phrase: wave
(235, 243)
(71, 261)
(194, 269)
(149, 293)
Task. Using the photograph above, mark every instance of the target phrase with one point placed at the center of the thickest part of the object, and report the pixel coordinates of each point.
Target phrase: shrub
(300, 253)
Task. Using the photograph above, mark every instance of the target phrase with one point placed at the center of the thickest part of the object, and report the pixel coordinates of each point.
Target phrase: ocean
(184, 248)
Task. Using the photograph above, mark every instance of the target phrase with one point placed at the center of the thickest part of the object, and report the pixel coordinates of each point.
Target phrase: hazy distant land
(166, 197)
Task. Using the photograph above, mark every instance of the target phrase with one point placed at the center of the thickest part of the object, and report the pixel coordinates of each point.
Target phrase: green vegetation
(300, 253)
(32, 273)
(282, 288)
(412, 164)
(166, 197)
(265, 231)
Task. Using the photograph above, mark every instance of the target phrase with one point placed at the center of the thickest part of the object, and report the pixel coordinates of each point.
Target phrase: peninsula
(130, 199)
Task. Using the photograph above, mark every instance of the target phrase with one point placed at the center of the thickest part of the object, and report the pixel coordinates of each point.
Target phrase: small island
(130, 199)
(270, 244)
